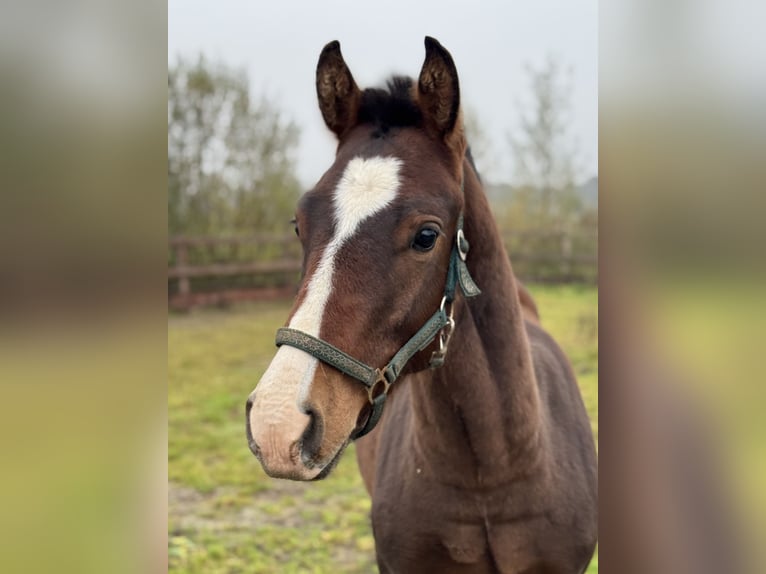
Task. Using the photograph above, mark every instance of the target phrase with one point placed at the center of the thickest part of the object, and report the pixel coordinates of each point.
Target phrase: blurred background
(90, 356)
(245, 136)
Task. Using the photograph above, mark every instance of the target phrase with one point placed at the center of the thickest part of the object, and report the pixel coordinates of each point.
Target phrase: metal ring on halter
(443, 307)
(460, 239)
(445, 334)
(381, 379)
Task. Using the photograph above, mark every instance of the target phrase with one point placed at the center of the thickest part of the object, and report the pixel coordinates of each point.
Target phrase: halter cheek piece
(379, 381)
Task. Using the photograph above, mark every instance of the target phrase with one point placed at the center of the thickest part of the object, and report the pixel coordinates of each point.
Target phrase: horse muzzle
(282, 440)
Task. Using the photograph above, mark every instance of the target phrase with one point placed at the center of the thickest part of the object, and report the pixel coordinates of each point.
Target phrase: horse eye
(425, 239)
(295, 226)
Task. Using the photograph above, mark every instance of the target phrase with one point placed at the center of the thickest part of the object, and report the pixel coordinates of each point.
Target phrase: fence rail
(220, 269)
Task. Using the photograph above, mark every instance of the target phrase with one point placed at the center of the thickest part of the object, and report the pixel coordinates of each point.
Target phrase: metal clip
(437, 357)
(381, 378)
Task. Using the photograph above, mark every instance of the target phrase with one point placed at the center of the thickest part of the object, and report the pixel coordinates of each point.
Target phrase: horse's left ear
(439, 90)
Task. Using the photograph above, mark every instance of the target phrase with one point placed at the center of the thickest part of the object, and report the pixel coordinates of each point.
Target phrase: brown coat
(486, 464)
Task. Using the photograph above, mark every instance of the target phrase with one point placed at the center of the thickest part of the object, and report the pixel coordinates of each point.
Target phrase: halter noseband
(379, 381)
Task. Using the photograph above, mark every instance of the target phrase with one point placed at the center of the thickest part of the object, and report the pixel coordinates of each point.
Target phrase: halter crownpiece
(379, 381)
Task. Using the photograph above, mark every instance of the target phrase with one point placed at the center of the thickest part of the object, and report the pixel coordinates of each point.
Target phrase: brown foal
(484, 463)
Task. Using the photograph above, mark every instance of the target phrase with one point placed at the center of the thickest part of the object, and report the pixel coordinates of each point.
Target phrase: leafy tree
(545, 162)
(545, 205)
(479, 142)
(231, 165)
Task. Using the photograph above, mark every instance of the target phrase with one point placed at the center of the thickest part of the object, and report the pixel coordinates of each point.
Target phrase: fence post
(566, 255)
(182, 252)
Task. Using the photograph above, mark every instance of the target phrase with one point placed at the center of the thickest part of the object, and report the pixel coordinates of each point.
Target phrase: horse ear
(438, 89)
(336, 90)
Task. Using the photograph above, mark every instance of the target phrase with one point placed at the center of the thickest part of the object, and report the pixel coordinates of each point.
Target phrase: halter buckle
(381, 378)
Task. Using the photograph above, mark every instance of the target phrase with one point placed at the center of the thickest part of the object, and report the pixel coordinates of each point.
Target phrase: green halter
(379, 381)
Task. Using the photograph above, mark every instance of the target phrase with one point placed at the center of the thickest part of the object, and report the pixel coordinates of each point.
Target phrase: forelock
(391, 107)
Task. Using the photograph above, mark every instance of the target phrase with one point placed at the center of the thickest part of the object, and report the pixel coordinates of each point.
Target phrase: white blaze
(367, 187)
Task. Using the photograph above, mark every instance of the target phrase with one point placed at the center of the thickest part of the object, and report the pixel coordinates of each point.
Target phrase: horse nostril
(248, 431)
(311, 440)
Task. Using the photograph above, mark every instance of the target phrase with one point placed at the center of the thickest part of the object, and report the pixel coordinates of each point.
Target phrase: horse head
(378, 233)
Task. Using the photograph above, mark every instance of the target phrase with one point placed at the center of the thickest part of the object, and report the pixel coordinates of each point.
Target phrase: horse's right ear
(338, 94)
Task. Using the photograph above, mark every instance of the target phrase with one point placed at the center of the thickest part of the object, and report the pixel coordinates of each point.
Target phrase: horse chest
(423, 530)
(433, 530)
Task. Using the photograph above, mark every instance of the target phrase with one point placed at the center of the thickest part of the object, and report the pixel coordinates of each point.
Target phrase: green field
(225, 514)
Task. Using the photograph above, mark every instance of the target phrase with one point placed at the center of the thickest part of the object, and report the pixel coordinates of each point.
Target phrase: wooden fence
(219, 270)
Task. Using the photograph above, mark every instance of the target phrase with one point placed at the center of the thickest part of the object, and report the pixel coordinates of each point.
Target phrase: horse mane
(390, 107)
(394, 107)
(469, 157)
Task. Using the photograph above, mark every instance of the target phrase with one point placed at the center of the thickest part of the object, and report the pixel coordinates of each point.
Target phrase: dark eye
(295, 227)
(425, 239)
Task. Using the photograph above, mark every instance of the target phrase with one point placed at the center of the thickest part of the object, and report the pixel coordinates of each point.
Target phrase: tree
(230, 158)
(545, 160)
(479, 142)
(544, 205)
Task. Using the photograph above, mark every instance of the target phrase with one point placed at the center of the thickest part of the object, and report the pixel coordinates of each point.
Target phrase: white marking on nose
(366, 187)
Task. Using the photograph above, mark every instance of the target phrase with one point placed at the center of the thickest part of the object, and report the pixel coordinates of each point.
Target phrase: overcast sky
(279, 43)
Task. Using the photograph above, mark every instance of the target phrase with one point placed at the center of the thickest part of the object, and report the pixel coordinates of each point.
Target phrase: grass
(225, 514)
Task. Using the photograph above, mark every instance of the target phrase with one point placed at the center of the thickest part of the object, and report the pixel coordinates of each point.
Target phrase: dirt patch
(223, 509)
(289, 511)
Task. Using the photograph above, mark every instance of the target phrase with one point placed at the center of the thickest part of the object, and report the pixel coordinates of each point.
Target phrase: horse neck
(483, 405)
